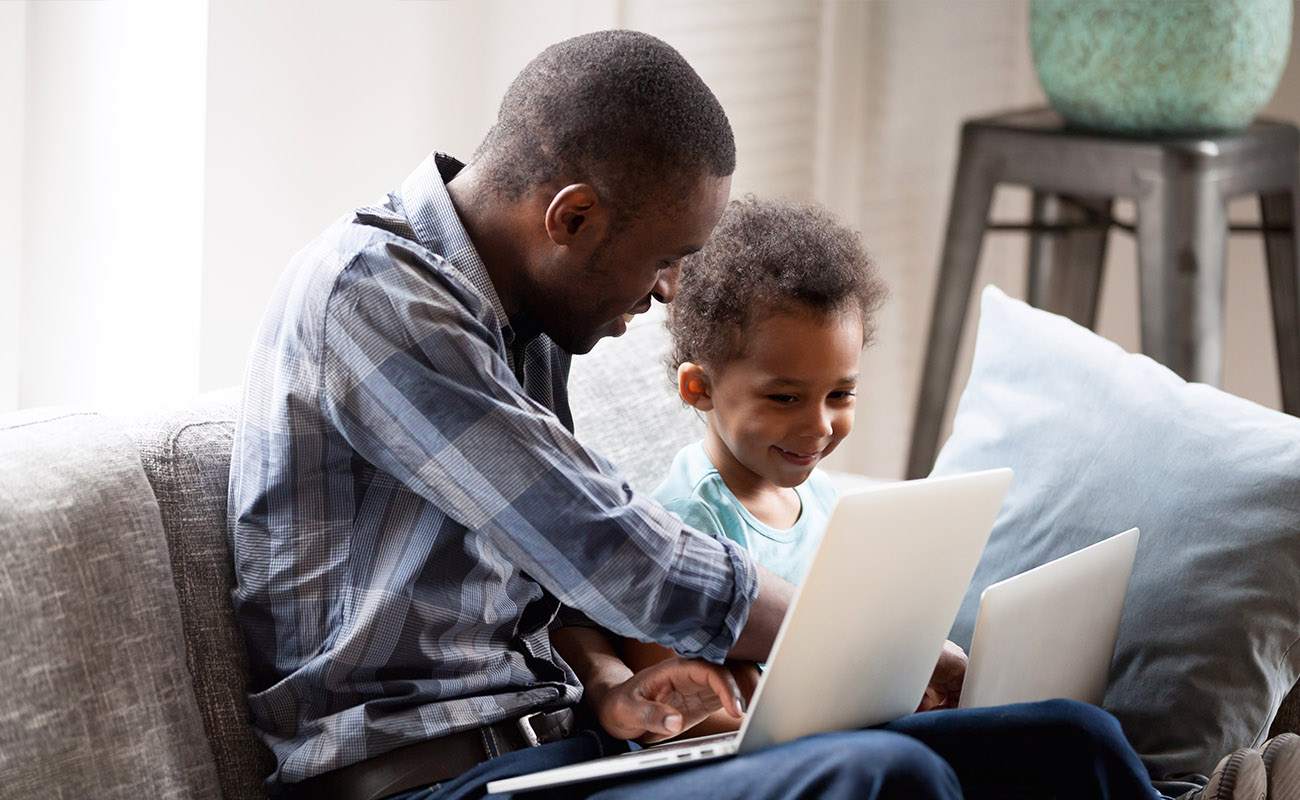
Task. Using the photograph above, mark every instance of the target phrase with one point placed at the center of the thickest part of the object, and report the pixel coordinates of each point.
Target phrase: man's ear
(693, 386)
(576, 217)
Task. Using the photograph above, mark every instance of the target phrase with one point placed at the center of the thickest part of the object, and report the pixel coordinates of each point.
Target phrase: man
(411, 516)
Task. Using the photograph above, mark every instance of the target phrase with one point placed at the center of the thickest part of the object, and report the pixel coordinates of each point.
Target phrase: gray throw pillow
(1101, 441)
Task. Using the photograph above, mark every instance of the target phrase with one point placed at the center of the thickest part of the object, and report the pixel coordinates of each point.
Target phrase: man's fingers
(661, 718)
(723, 684)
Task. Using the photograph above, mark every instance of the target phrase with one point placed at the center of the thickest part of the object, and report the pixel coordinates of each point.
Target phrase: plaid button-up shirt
(409, 509)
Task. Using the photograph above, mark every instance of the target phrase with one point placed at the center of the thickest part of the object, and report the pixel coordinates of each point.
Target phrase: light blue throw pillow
(1102, 440)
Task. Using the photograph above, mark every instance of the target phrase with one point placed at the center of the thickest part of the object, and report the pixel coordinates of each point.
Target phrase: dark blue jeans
(1057, 748)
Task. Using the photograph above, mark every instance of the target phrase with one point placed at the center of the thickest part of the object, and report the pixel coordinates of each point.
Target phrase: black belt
(436, 760)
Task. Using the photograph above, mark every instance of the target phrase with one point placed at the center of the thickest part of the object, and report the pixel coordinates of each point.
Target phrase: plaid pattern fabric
(408, 508)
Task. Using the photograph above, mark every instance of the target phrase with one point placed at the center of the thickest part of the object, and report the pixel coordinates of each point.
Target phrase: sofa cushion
(95, 700)
(1101, 441)
(625, 403)
(186, 456)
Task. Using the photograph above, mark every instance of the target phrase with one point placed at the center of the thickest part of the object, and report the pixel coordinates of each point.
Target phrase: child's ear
(693, 386)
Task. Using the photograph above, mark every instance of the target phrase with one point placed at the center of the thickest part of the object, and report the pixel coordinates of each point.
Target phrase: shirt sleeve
(416, 382)
(699, 515)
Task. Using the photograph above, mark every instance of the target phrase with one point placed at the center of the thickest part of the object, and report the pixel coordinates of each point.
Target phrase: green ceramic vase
(1150, 67)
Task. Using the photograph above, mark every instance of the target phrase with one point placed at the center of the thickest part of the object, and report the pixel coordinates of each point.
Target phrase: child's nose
(819, 423)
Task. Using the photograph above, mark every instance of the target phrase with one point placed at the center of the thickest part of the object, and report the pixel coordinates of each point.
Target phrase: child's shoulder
(694, 490)
(690, 467)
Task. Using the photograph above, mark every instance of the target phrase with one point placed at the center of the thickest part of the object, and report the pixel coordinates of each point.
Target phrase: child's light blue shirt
(695, 491)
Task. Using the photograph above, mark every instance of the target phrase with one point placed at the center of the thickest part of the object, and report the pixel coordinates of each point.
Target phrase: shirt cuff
(744, 592)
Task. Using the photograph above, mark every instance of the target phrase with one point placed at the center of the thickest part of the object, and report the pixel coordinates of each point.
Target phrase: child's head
(767, 327)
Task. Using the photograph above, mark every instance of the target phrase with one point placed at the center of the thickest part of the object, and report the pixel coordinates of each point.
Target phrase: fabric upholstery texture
(95, 701)
(625, 403)
(1101, 441)
(186, 456)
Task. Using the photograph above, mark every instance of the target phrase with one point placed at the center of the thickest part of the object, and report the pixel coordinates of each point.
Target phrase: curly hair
(620, 110)
(768, 257)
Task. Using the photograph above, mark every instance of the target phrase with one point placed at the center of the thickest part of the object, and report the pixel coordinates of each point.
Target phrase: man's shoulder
(374, 246)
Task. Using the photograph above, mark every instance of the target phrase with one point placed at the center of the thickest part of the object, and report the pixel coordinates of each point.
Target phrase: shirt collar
(429, 209)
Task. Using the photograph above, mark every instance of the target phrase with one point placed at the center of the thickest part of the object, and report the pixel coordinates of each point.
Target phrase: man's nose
(666, 287)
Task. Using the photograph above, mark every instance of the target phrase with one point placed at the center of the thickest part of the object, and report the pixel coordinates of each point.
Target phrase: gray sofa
(122, 672)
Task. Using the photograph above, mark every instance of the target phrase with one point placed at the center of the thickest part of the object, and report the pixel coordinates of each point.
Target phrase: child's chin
(790, 478)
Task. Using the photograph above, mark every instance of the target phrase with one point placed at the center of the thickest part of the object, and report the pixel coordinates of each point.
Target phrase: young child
(768, 325)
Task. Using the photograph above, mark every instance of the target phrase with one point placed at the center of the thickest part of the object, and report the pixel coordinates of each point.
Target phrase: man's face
(587, 301)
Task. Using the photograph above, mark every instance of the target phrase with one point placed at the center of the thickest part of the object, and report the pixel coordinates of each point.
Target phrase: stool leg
(1182, 247)
(1282, 250)
(967, 216)
(1065, 268)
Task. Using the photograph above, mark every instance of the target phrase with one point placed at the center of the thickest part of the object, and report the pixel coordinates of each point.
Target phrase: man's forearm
(765, 615)
(593, 657)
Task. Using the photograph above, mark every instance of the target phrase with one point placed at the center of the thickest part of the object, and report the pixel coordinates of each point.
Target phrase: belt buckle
(525, 725)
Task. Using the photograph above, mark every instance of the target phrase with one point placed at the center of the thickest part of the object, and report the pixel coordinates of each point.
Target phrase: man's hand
(945, 684)
(661, 701)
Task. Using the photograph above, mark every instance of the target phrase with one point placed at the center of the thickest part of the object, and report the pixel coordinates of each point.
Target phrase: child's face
(786, 403)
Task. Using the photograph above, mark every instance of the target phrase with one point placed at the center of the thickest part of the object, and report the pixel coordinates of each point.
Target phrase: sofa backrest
(95, 700)
(625, 403)
(186, 456)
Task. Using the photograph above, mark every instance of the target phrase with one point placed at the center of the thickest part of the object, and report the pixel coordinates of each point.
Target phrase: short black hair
(620, 110)
(768, 257)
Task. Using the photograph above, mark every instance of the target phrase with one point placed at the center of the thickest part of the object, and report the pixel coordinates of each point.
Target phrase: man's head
(616, 141)
(619, 110)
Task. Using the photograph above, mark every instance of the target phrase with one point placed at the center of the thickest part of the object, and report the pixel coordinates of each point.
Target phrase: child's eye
(783, 399)
(844, 395)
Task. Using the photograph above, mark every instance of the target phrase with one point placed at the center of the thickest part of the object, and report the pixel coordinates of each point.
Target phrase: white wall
(111, 193)
(315, 108)
(899, 78)
(13, 73)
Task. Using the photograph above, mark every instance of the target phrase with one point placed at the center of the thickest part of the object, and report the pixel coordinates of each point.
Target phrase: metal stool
(1180, 187)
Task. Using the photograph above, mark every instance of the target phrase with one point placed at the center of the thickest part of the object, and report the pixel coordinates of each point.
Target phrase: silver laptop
(873, 611)
(1050, 632)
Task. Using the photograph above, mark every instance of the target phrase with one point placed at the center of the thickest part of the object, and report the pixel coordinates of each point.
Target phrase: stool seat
(1180, 186)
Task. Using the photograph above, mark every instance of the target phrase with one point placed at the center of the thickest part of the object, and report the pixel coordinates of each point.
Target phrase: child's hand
(944, 690)
(663, 700)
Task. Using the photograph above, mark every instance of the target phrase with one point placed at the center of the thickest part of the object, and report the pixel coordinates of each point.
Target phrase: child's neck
(772, 505)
